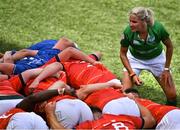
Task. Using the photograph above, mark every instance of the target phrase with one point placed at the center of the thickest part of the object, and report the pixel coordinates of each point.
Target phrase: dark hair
(95, 109)
(131, 90)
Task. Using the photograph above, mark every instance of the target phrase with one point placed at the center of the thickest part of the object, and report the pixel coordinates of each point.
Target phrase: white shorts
(114, 81)
(26, 121)
(122, 105)
(71, 112)
(155, 65)
(6, 105)
(170, 121)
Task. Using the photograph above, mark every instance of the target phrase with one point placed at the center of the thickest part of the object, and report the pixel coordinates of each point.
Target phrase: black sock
(171, 102)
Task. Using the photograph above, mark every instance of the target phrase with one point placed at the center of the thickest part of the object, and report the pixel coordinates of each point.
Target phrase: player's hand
(137, 80)
(166, 78)
(81, 94)
(117, 85)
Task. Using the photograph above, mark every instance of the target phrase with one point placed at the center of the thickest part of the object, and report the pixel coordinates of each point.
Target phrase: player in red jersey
(80, 72)
(81, 112)
(106, 95)
(104, 76)
(105, 121)
(9, 88)
(167, 117)
(69, 110)
(64, 56)
(26, 105)
(64, 112)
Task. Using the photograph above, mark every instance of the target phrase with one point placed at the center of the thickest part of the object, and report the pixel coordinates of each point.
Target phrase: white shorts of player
(26, 121)
(71, 112)
(155, 65)
(122, 105)
(170, 121)
(6, 105)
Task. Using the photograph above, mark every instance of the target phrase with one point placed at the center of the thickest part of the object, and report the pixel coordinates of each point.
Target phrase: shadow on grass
(5, 46)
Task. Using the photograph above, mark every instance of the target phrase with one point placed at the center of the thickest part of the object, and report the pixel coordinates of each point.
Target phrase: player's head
(132, 91)
(97, 113)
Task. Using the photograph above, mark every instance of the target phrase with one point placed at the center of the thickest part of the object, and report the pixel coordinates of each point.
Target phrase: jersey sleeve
(125, 41)
(163, 32)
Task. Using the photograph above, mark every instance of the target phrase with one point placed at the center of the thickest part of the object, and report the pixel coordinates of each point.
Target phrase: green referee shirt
(148, 49)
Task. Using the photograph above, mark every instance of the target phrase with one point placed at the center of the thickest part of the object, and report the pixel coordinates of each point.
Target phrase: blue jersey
(45, 53)
(46, 44)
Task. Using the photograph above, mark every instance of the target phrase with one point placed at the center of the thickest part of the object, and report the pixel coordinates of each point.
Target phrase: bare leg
(63, 43)
(6, 68)
(7, 58)
(71, 52)
(58, 84)
(47, 71)
(3, 77)
(30, 74)
(23, 53)
(169, 89)
(126, 81)
(53, 68)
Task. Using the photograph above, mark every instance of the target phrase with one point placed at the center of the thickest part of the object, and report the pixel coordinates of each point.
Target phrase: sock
(171, 102)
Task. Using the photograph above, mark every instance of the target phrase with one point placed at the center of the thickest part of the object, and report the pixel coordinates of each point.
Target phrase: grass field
(93, 24)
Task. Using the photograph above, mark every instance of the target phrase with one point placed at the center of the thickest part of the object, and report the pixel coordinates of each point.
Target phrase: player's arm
(149, 121)
(51, 117)
(29, 102)
(85, 90)
(48, 71)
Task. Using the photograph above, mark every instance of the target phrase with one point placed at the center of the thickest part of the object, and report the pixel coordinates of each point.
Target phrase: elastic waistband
(11, 97)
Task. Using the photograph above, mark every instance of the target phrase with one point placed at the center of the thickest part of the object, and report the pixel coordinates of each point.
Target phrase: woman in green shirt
(141, 49)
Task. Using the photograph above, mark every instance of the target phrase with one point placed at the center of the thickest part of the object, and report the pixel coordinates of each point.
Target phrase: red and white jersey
(10, 86)
(4, 119)
(101, 97)
(107, 121)
(158, 111)
(83, 73)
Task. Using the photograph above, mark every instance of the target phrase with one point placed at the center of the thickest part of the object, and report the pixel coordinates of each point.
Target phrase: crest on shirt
(136, 42)
(151, 39)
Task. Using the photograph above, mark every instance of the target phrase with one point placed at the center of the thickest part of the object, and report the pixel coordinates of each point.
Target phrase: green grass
(93, 24)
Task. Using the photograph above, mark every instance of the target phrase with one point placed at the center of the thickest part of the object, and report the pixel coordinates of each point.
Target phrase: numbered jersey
(107, 121)
(158, 111)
